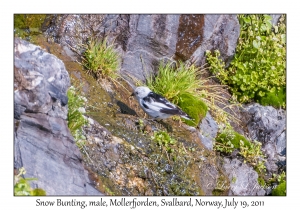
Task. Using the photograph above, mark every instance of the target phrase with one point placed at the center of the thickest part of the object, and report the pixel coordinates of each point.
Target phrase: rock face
(217, 32)
(43, 143)
(210, 177)
(145, 40)
(72, 31)
(208, 131)
(45, 147)
(243, 178)
(40, 82)
(139, 168)
(268, 125)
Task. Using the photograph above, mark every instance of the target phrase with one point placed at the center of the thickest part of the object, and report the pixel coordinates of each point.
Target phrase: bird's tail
(186, 116)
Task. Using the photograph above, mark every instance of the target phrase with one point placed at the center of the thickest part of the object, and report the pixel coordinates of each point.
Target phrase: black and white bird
(157, 106)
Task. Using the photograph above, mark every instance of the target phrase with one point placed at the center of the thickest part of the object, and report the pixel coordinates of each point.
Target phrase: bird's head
(141, 92)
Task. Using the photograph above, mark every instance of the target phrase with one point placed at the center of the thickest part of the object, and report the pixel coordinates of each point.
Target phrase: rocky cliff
(119, 156)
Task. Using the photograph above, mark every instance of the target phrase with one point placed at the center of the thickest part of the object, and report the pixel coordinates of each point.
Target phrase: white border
(8, 8)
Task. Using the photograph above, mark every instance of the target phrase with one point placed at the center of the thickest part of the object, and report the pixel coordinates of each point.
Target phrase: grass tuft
(180, 86)
(101, 59)
(172, 83)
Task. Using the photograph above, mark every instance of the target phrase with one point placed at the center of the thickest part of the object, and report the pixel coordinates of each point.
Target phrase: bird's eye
(136, 93)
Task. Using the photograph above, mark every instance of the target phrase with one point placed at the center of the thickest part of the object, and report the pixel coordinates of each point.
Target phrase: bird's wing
(156, 102)
(155, 106)
(154, 97)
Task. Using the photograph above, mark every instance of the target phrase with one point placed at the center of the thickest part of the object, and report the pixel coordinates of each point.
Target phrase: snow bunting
(155, 105)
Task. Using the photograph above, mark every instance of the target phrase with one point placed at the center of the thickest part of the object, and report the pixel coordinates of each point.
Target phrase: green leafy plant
(101, 59)
(228, 140)
(280, 179)
(22, 186)
(141, 125)
(164, 139)
(180, 86)
(76, 109)
(223, 142)
(233, 179)
(261, 181)
(253, 155)
(258, 69)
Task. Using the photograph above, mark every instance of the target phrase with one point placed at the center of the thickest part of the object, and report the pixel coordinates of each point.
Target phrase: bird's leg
(130, 104)
(165, 125)
(180, 123)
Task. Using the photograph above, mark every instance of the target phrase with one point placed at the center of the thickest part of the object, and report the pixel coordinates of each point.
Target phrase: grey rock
(218, 32)
(268, 125)
(208, 177)
(269, 150)
(281, 144)
(143, 41)
(40, 81)
(275, 18)
(72, 31)
(243, 178)
(18, 110)
(265, 123)
(44, 145)
(208, 131)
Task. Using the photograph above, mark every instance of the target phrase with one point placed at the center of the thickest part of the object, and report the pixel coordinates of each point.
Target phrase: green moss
(28, 21)
(217, 192)
(108, 191)
(280, 190)
(27, 25)
(276, 98)
(233, 180)
(237, 138)
(20, 21)
(194, 107)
